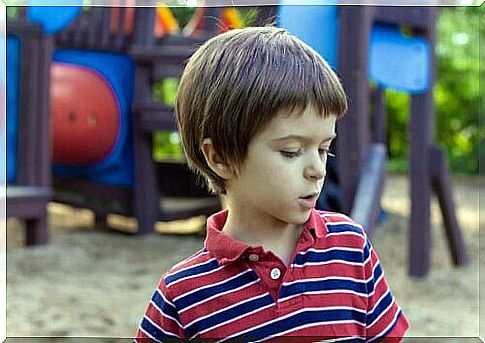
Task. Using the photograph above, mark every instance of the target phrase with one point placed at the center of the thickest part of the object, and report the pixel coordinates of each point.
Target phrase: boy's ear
(214, 160)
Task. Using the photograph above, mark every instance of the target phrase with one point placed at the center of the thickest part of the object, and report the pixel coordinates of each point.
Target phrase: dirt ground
(94, 282)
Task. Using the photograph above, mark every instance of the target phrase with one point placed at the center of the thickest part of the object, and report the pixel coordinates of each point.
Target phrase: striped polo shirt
(334, 289)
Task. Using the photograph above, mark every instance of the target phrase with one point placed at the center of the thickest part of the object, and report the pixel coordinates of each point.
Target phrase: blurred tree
(456, 94)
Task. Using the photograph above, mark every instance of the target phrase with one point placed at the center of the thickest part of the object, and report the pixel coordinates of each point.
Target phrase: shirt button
(254, 257)
(275, 273)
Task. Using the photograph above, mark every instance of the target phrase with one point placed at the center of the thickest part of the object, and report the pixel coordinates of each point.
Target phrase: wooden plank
(24, 193)
(157, 120)
(79, 37)
(417, 17)
(27, 116)
(379, 118)
(368, 195)
(442, 185)
(145, 192)
(119, 37)
(165, 54)
(144, 24)
(96, 18)
(104, 28)
(420, 191)
(37, 230)
(353, 129)
(164, 71)
(44, 153)
(420, 140)
(29, 204)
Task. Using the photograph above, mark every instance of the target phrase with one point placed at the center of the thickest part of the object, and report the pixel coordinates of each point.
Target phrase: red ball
(84, 113)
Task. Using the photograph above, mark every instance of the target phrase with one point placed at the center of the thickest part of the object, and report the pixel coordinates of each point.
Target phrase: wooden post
(353, 128)
(442, 186)
(380, 127)
(420, 140)
(145, 191)
(27, 199)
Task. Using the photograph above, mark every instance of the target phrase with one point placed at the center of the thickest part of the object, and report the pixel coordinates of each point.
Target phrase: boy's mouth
(308, 201)
(311, 195)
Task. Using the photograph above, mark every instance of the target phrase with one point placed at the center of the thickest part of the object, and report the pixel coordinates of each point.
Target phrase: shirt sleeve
(384, 316)
(161, 322)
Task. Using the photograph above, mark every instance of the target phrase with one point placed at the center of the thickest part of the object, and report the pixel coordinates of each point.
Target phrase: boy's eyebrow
(302, 138)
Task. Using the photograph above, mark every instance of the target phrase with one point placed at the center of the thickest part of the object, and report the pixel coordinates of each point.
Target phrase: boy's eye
(290, 154)
(325, 151)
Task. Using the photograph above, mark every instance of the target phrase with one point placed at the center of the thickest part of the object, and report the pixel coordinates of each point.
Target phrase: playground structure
(93, 141)
(370, 45)
(89, 179)
(28, 134)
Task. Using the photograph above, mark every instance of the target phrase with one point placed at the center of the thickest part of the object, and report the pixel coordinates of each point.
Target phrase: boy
(256, 110)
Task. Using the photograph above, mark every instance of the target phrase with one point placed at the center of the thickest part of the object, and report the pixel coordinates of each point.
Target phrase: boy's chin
(300, 219)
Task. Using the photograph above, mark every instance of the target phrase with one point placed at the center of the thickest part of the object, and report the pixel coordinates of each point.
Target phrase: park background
(87, 282)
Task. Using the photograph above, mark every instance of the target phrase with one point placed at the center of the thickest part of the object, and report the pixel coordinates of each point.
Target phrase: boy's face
(284, 170)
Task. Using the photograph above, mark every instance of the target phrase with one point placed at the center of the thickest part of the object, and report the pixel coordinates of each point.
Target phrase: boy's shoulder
(339, 225)
(196, 264)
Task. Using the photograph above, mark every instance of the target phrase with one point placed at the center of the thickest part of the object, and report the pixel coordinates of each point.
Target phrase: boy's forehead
(300, 123)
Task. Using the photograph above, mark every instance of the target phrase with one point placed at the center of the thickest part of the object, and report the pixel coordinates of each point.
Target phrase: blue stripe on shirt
(323, 285)
(371, 283)
(383, 305)
(154, 331)
(315, 256)
(226, 315)
(165, 307)
(203, 268)
(344, 227)
(202, 294)
(305, 318)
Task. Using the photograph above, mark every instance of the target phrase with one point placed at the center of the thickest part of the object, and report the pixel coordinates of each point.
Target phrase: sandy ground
(94, 282)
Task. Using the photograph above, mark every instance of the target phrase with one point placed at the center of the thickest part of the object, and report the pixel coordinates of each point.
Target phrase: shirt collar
(227, 249)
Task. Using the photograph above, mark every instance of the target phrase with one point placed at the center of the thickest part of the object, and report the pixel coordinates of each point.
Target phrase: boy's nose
(316, 169)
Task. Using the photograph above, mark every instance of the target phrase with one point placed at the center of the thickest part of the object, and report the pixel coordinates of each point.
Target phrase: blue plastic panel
(315, 25)
(118, 69)
(3, 114)
(13, 71)
(53, 18)
(399, 62)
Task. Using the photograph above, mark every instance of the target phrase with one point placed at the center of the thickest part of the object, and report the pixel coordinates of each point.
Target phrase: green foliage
(248, 15)
(457, 90)
(456, 94)
(183, 14)
(13, 12)
(166, 145)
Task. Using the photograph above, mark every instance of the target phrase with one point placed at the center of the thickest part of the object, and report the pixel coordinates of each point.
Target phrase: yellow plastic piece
(232, 18)
(166, 19)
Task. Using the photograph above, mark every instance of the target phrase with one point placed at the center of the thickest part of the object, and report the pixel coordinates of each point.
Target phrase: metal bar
(368, 195)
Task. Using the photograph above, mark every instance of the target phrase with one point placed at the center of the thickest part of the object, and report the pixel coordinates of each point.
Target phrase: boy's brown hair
(236, 82)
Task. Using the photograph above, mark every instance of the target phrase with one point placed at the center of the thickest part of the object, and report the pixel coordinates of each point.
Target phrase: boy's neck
(262, 230)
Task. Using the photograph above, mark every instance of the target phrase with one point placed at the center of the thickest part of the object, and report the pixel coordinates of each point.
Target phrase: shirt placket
(273, 272)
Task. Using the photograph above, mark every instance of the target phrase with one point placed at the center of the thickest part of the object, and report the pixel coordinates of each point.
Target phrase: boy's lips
(308, 201)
